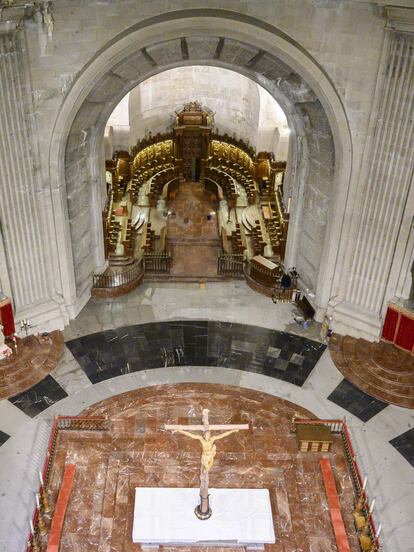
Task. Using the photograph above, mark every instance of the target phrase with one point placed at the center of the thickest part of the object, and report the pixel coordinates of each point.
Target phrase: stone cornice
(13, 15)
(399, 15)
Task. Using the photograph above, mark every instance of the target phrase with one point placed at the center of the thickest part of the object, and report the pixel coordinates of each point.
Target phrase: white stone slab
(166, 516)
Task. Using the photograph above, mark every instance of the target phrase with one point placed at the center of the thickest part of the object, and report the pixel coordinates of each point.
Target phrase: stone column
(23, 213)
(384, 187)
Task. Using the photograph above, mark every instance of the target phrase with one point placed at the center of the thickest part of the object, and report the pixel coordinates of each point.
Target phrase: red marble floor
(191, 206)
(192, 260)
(379, 369)
(137, 451)
(32, 360)
(193, 239)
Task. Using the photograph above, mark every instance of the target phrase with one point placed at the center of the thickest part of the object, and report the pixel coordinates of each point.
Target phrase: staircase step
(378, 369)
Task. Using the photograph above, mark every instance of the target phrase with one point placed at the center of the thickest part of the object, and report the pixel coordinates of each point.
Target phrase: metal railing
(284, 295)
(121, 279)
(341, 427)
(157, 263)
(60, 423)
(77, 423)
(230, 264)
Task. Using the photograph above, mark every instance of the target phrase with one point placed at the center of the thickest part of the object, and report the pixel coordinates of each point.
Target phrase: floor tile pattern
(3, 437)
(33, 358)
(137, 451)
(193, 238)
(128, 349)
(355, 401)
(39, 397)
(404, 443)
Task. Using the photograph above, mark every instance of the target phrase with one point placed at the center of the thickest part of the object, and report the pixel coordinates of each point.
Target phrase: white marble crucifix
(203, 510)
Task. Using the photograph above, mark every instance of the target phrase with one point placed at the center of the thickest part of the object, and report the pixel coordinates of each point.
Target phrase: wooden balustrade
(158, 181)
(225, 172)
(238, 143)
(230, 264)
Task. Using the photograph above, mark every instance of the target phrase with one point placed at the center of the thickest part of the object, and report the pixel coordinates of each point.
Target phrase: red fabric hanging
(390, 325)
(405, 333)
(6, 317)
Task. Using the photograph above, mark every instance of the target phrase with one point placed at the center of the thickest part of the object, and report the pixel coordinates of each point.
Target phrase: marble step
(394, 360)
(359, 362)
(378, 369)
(373, 375)
(195, 279)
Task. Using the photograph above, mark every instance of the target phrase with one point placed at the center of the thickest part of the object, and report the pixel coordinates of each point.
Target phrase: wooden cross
(203, 510)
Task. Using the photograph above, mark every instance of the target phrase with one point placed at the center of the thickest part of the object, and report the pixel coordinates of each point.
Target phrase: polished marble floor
(383, 443)
(136, 451)
(40, 396)
(129, 349)
(192, 205)
(355, 401)
(3, 437)
(404, 443)
(32, 359)
(193, 234)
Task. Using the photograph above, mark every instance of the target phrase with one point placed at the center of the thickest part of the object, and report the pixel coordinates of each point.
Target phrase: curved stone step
(369, 374)
(37, 357)
(395, 361)
(401, 378)
(354, 358)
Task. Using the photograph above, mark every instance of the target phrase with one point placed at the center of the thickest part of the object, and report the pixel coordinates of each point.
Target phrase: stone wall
(324, 62)
(119, 136)
(273, 132)
(233, 98)
(241, 108)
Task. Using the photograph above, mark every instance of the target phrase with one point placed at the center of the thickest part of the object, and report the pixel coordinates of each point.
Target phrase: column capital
(399, 15)
(13, 14)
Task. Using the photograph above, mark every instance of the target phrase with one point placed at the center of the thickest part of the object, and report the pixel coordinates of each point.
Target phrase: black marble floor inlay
(404, 443)
(357, 402)
(39, 397)
(3, 437)
(196, 343)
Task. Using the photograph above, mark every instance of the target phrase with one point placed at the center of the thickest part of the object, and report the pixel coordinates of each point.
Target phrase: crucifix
(203, 510)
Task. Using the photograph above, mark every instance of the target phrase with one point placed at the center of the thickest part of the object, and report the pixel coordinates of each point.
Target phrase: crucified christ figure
(203, 510)
(207, 442)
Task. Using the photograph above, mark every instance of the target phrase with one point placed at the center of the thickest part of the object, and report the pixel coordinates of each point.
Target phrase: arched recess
(321, 156)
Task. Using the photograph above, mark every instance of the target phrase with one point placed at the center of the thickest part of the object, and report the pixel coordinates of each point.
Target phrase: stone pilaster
(24, 225)
(385, 181)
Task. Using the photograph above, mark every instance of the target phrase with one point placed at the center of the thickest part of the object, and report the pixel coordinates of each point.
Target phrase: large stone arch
(321, 156)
